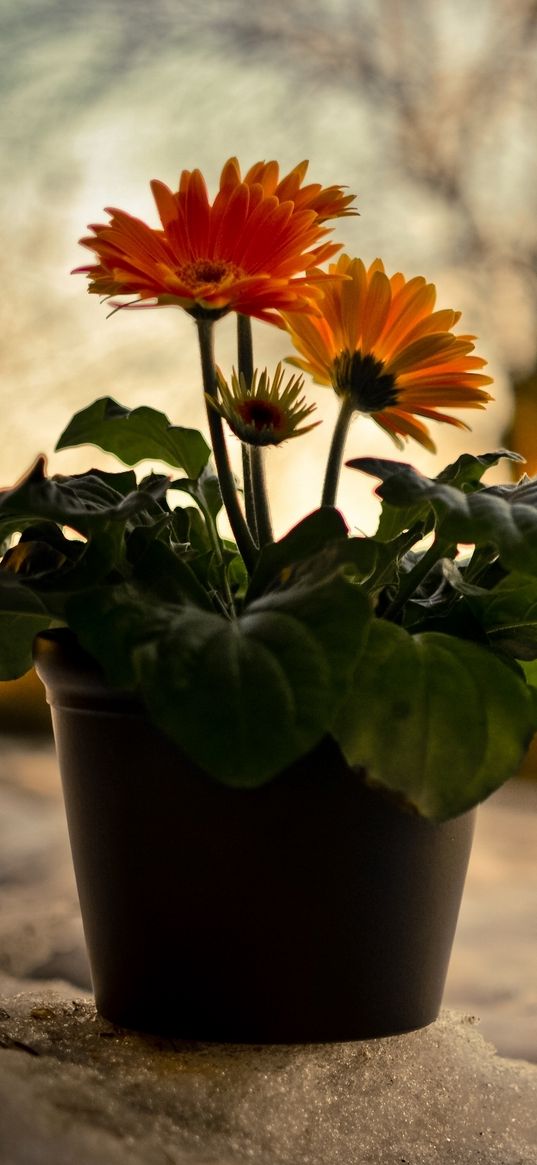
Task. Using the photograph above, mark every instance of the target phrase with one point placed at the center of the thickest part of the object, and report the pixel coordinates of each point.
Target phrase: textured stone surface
(75, 1089)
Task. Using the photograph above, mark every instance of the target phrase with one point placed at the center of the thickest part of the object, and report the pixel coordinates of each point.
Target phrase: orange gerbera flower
(380, 342)
(329, 202)
(246, 252)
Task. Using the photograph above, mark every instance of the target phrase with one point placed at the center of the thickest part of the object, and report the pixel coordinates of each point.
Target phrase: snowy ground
(74, 1088)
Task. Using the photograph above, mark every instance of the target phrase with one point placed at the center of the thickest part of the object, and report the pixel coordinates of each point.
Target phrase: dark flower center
(364, 380)
(203, 276)
(207, 272)
(261, 414)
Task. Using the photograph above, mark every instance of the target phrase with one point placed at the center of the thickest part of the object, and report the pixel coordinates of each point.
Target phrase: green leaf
(22, 615)
(243, 697)
(110, 621)
(529, 668)
(404, 511)
(508, 615)
(441, 722)
(306, 540)
(394, 520)
(524, 490)
(83, 501)
(237, 574)
(135, 435)
(486, 517)
(205, 490)
(198, 535)
(164, 572)
(466, 472)
(35, 560)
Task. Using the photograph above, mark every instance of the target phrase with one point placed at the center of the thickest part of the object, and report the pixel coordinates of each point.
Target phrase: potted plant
(271, 749)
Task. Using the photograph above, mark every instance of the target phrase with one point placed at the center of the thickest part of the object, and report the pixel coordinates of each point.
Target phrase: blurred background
(427, 112)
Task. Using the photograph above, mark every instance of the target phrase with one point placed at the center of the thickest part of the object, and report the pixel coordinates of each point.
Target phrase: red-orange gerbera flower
(382, 346)
(329, 202)
(246, 252)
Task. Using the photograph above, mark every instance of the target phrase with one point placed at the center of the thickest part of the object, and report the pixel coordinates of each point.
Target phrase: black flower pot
(309, 909)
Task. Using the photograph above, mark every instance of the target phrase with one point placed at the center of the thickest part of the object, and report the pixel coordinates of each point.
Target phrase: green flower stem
(481, 558)
(248, 488)
(380, 577)
(245, 347)
(255, 488)
(335, 457)
(262, 510)
(216, 543)
(411, 581)
(228, 489)
(246, 366)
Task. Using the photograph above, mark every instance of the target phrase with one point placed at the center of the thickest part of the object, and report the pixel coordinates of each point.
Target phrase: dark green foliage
(404, 651)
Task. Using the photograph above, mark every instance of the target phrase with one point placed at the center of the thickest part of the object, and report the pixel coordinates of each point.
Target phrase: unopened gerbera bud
(264, 412)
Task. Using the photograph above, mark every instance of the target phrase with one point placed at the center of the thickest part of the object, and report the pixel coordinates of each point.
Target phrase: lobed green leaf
(305, 541)
(406, 502)
(485, 517)
(439, 721)
(508, 615)
(135, 435)
(83, 501)
(22, 615)
(205, 490)
(243, 697)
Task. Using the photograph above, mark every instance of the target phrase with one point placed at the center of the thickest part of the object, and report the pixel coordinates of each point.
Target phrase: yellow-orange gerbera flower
(247, 252)
(381, 344)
